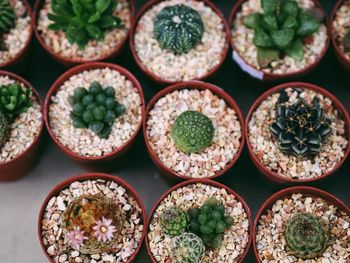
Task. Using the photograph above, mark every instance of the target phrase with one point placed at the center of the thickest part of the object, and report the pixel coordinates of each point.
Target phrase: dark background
(20, 201)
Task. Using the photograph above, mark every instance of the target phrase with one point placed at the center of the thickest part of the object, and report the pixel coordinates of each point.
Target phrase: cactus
(4, 129)
(192, 132)
(7, 17)
(187, 248)
(93, 223)
(178, 28)
(306, 235)
(95, 109)
(173, 221)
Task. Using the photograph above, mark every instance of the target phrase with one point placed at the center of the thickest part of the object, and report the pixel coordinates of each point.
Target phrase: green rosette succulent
(4, 129)
(173, 221)
(84, 20)
(187, 248)
(192, 132)
(306, 235)
(7, 17)
(281, 29)
(346, 41)
(178, 28)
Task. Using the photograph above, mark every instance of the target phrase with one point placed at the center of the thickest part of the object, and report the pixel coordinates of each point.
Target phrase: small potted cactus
(96, 217)
(199, 221)
(340, 31)
(21, 125)
(193, 130)
(302, 224)
(274, 39)
(94, 111)
(15, 31)
(175, 41)
(75, 32)
(297, 132)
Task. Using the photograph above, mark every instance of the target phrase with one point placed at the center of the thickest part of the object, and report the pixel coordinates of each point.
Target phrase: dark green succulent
(84, 20)
(95, 109)
(300, 129)
(281, 29)
(210, 222)
(306, 235)
(178, 28)
(346, 41)
(192, 132)
(4, 129)
(14, 100)
(173, 221)
(7, 20)
(187, 248)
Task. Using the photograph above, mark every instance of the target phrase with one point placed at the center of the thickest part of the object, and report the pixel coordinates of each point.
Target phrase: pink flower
(104, 230)
(76, 238)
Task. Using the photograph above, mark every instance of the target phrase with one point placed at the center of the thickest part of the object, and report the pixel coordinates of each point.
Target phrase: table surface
(20, 201)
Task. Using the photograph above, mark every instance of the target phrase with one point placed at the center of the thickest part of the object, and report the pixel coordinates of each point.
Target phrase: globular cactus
(7, 17)
(4, 129)
(173, 221)
(187, 248)
(306, 235)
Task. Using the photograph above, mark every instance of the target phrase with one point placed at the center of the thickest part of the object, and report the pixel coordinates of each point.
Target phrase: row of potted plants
(100, 218)
(295, 132)
(270, 39)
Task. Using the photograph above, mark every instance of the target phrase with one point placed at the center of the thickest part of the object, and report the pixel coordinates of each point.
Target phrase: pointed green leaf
(252, 21)
(308, 25)
(102, 5)
(267, 55)
(262, 39)
(269, 22)
(269, 6)
(107, 22)
(296, 50)
(77, 8)
(290, 23)
(94, 31)
(290, 8)
(282, 38)
(93, 18)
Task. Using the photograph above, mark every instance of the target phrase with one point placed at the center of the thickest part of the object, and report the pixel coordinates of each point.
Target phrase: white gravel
(235, 239)
(270, 240)
(266, 149)
(193, 65)
(24, 129)
(83, 141)
(341, 24)
(226, 141)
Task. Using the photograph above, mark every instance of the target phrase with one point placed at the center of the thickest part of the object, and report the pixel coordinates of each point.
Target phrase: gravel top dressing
(23, 130)
(187, 66)
(226, 140)
(235, 239)
(341, 25)
(83, 141)
(266, 148)
(271, 241)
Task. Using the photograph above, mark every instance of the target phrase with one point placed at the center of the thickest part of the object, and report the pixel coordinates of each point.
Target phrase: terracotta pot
(23, 163)
(68, 62)
(274, 176)
(93, 160)
(338, 52)
(200, 86)
(305, 190)
(149, 73)
(20, 57)
(258, 74)
(207, 182)
(92, 176)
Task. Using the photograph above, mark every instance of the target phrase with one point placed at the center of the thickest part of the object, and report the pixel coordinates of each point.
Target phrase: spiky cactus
(173, 221)
(306, 235)
(4, 129)
(7, 17)
(187, 248)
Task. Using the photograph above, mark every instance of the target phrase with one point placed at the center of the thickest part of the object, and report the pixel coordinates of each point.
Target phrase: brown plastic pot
(338, 52)
(20, 57)
(266, 76)
(148, 72)
(199, 85)
(288, 192)
(274, 176)
(93, 160)
(92, 176)
(24, 162)
(207, 182)
(68, 62)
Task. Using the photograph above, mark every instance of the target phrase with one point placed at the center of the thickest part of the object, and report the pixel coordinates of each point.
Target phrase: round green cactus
(192, 132)
(187, 248)
(173, 221)
(178, 28)
(306, 235)
(7, 17)
(4, 129)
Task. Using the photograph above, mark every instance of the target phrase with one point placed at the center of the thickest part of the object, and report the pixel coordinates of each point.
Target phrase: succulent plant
(14, 100)
(306, 235)
(300, 129)
(93, 223)
(173, 221)
(346, 41)
(281, 28)
(84, 20)
(192, 132)
(187, 248)
(178, 28)
(4, 129)
(95, 109)
(210, 222)
(7, 17)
